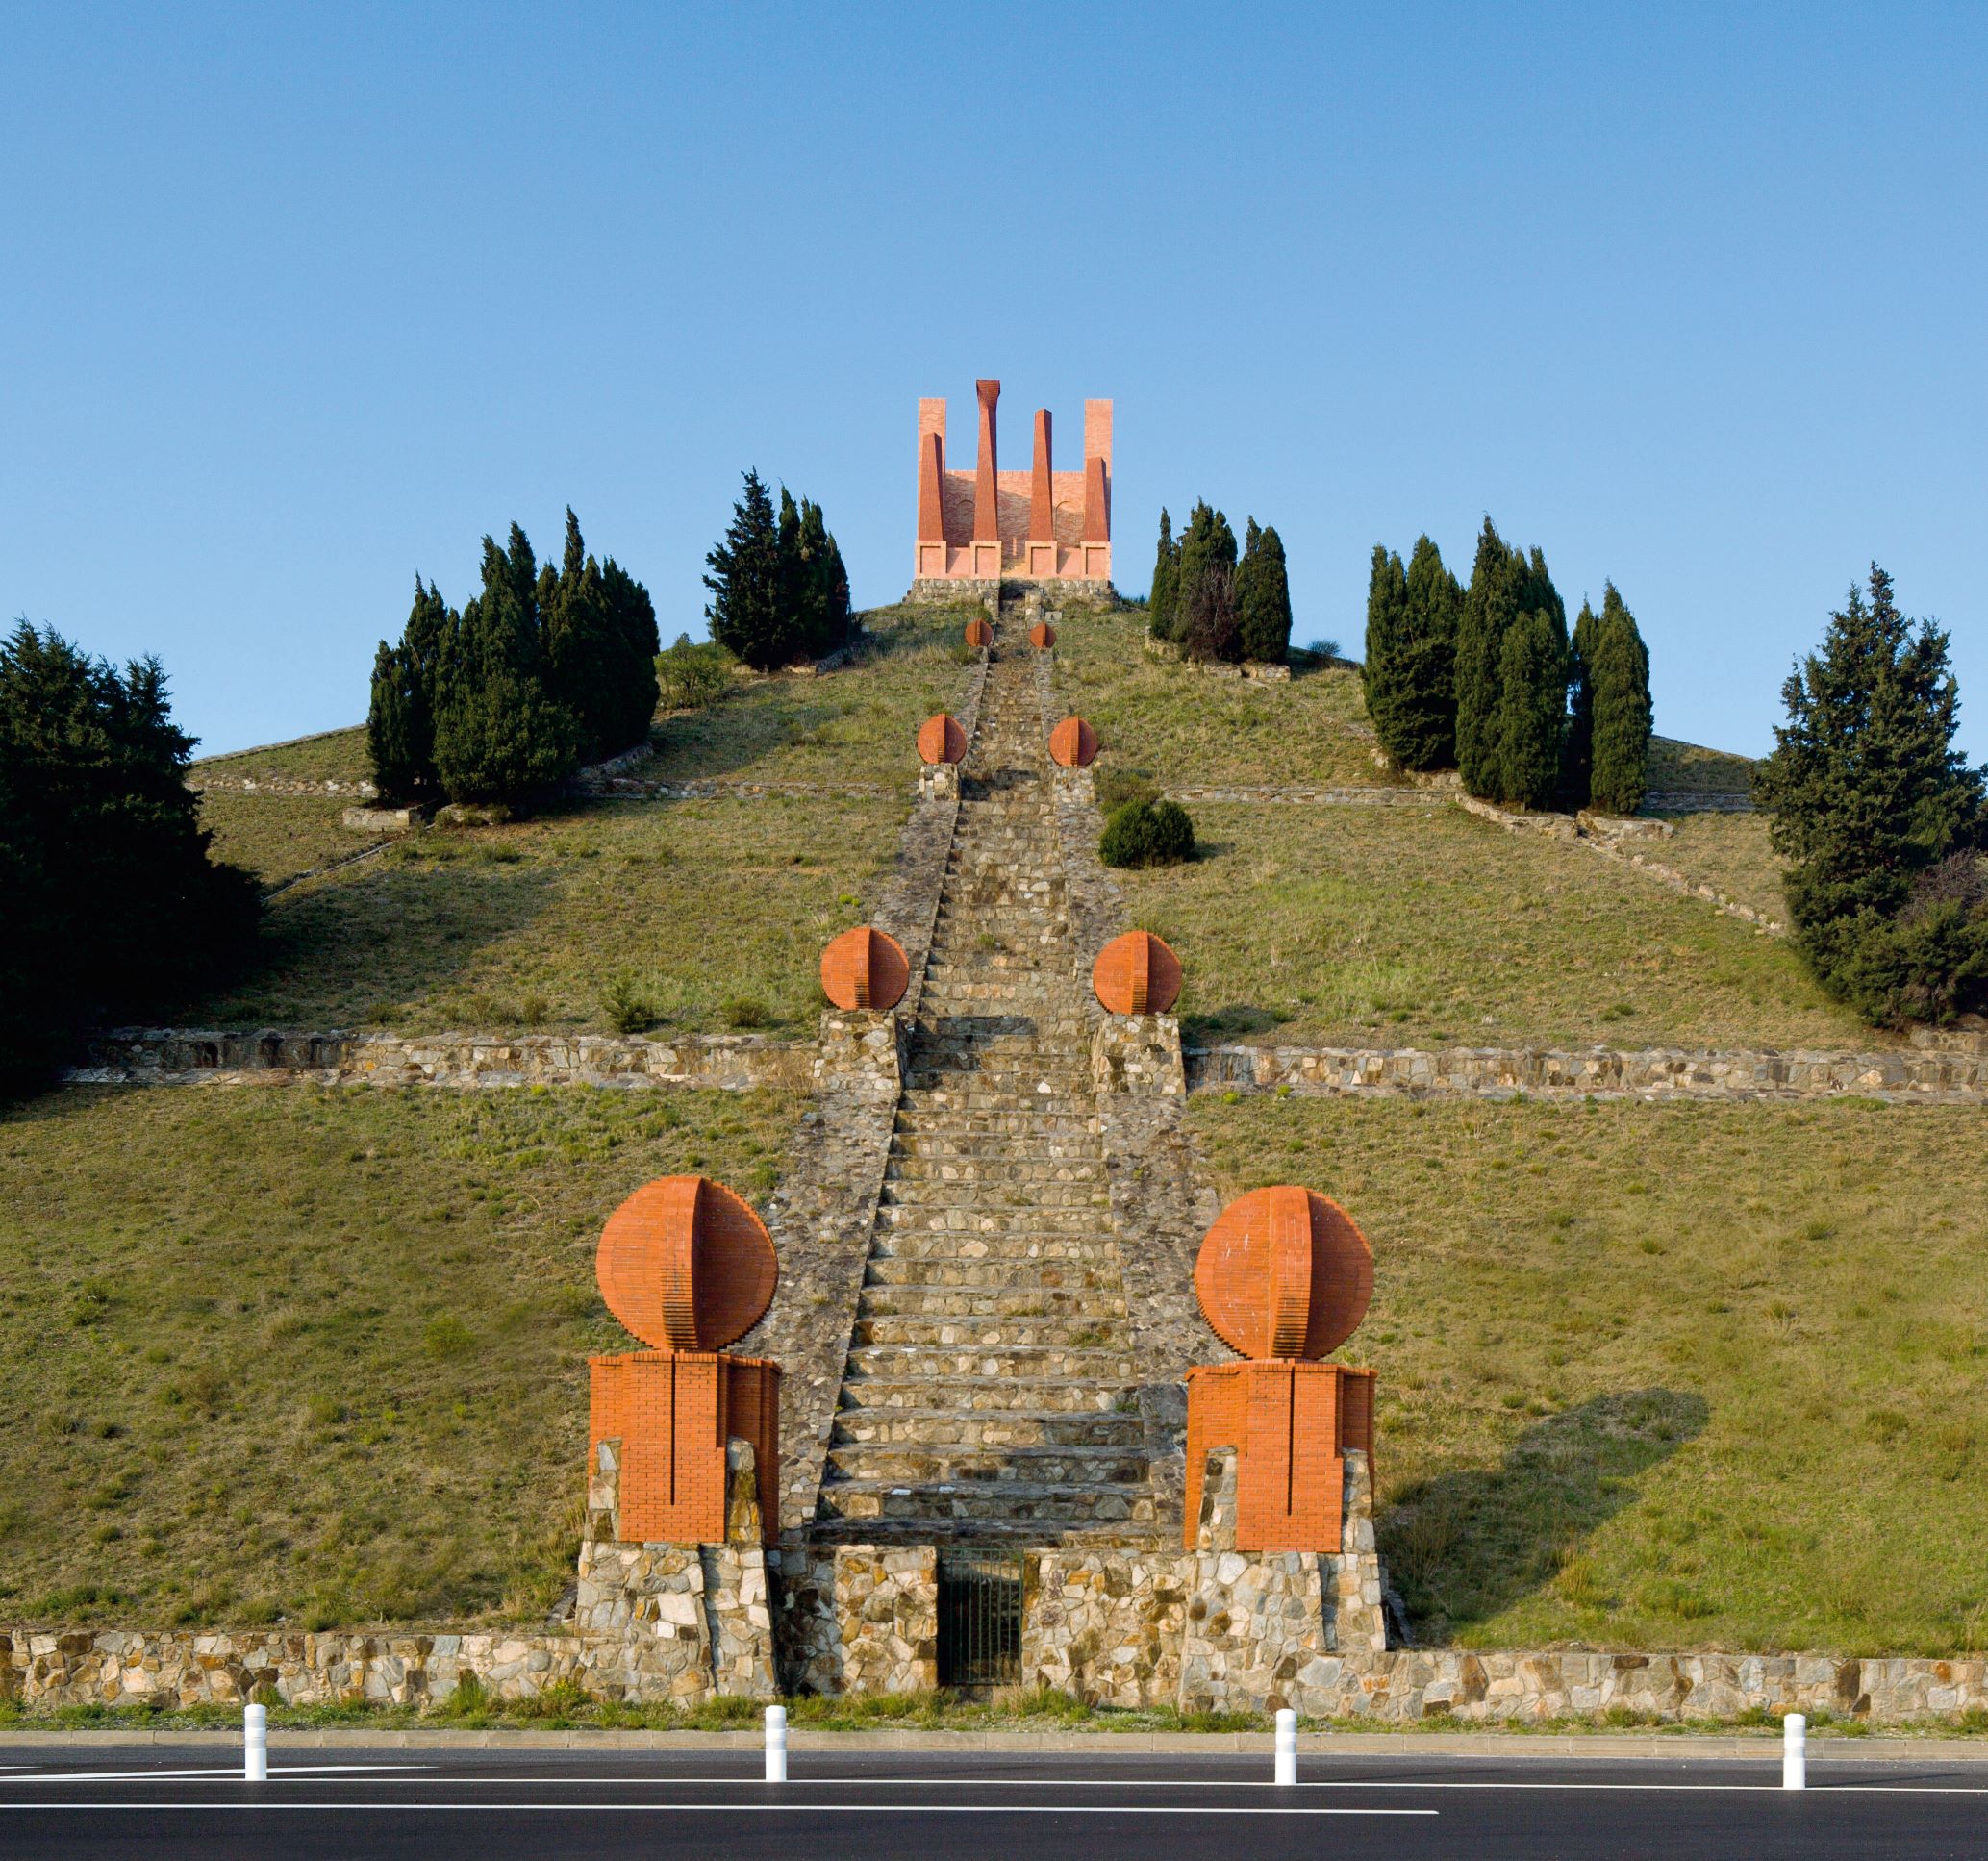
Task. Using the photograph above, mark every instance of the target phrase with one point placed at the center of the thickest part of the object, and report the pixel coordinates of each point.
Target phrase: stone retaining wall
(1914, 1075)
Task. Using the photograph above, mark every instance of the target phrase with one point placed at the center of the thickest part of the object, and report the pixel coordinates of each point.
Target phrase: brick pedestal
(1290, 1425)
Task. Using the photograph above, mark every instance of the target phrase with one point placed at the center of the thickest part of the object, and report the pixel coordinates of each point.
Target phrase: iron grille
(980, 1619)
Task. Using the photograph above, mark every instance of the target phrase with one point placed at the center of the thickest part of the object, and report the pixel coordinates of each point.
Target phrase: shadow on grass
(1238, 1021)
(1464, 1545)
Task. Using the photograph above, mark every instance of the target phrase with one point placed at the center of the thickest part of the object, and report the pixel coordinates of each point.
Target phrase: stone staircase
(990, 1394)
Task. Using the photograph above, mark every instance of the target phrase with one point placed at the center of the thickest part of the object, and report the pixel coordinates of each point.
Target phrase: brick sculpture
(1044, 524)
(979, 635)
(865, 968)
(689, 1268)
(1136, 974)
(941, 739)
(1283, 1277)
(1073, 745)
(1042, 636)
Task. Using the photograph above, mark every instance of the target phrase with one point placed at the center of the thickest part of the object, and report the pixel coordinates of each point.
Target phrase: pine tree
(1161, 603)
(794, 590)
(1531, 710)
(1868, 793)
(746, 610)
(1211, 629)
(1492, 603)
(1387, 629)
(637, 640)
(501, 734)
(1577, 752)
(1206, 544)
(824, 583)
(583, 657)
(400, 720)
(1263, 599)
(1424, 711)
(1618, 677)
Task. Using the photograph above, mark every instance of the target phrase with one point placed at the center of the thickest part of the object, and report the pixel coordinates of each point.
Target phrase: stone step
(941, 1120)
(1014, 1502)
(1092, 1249)
(963, 1332)
(901, 1363)
(965, 1304)
(1093, 1278)
(1066, 1150)
(993, 1103)
(992, 1195)
(982, 1468)
(993, 1428)
(996, 1534)
(1041, 1175)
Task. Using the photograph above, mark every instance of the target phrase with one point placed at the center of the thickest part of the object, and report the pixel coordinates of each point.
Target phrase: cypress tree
(1619, 684)
(1531, 710)
(1160, 604)
(1263, 599)
(1211, 629)
(400, 720)
(1867, 794)
(583, 655)
(1492, 603)
(1577, 760)
(823, 584)
(1207, 543)
(633, 618)
(500, 732)
(1424, 727)
(794, 589)
(746, 612)
(1387, 626)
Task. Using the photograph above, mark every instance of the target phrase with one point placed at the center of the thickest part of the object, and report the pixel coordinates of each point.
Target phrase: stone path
(991, 1392)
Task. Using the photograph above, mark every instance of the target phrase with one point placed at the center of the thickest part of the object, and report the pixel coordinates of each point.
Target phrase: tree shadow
(1235, 1022)
(743, 728)
(1463, 1546)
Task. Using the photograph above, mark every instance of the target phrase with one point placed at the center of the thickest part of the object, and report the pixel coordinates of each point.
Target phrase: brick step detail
(989, 1467)
(946, 1363)
(1010, 1502)
(993, 1428)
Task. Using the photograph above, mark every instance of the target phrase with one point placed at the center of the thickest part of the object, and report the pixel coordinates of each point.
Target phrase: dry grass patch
(1731, 853)
(328, 756)
(1665, 1376)
(1180, 724)
(713, 913)
(316, 1356)
(1691, 769)
(277, 837)
(1401, 927)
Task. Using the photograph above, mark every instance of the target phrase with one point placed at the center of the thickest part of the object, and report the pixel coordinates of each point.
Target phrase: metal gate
(980, 1619)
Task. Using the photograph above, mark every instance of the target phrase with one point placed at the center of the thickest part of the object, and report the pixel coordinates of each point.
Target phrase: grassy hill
(1651, 1375)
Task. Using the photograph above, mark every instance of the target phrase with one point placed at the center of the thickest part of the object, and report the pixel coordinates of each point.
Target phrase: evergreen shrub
(1147, 833)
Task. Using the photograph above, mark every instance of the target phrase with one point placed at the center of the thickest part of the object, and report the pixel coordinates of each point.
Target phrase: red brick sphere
(1284, 1272)
(686, 1264)
(865, 968)
(979, 633)
(1073, 745)
(941, 739)
(1042, 636)
(1136, 974)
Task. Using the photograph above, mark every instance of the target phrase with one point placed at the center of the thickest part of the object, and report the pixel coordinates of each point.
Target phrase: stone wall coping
(1758, 1746)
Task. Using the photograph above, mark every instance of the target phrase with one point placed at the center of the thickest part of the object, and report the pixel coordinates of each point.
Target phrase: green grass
(278, 836)
(1729, 852)
(1404, 927)
(316, 1356)
(1665, 1376)
(1183, 726)
(695, 903)
(1691, 769)
(857, 724)
(330, 756)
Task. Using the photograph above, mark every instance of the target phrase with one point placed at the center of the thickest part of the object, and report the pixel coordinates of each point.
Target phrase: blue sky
(298, 302)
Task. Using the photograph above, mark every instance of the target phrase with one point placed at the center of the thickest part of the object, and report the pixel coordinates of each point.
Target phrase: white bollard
(255, 1744)
(1287, 1745)
(776, 1744)
(1795, 1752)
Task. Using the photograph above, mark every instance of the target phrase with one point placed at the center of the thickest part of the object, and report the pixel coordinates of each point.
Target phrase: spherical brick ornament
(1073, 745)
(979, 633)
(1136, 974)
(686, 1264)
(865, 968)
(941, 739)
(1284, 1272)
(1042, 636)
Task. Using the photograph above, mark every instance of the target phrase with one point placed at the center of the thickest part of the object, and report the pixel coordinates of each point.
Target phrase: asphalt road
(165, 1802)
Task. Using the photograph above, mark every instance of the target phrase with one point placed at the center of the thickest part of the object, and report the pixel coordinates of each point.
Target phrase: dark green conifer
(1532, 709)
(1209, 628)
(400, 720)
(1263, 599)
(1619, 681)
(1577, 760)
(1492, 603)
(747, 612)
(1207, 543)
(1423, 726)
(1387, 625)
(1161, 603)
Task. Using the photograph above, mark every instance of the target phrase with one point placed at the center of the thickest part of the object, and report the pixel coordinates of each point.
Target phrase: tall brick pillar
(1042, 493)
(987, 512)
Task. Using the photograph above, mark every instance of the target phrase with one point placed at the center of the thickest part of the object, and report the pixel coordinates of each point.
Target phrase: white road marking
(754, 1809)
(220, 1771)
